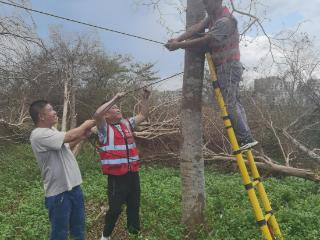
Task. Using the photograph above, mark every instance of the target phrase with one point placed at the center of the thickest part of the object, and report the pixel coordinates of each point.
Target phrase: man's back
(224, 38)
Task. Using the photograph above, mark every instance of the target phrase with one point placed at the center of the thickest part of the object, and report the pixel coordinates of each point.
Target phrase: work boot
(247, 144)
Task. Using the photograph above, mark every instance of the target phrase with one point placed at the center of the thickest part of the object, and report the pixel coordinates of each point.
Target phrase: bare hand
(88, 124)
(120, 95)
(172, 45)
(172, 40)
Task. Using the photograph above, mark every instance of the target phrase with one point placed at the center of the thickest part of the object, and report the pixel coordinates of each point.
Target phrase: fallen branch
(302, 147)
(274, 168)
(267, 165)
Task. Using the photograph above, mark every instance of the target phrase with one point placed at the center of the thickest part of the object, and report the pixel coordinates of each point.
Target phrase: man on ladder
(224, 64)
(222, 39)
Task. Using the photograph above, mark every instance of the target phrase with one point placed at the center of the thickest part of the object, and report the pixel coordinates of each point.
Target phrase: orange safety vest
(229, 49)
(119, 154)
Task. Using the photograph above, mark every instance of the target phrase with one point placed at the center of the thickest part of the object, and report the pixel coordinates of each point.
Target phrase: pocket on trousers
(54, 201)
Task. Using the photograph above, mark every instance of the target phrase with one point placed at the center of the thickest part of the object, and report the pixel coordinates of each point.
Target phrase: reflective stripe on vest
(116, 147)
(117, 157)
(119, 160)
(230, 49)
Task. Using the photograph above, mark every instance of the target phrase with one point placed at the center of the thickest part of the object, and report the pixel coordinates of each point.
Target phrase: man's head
(212, 6)
(113, 115)
(42, 113)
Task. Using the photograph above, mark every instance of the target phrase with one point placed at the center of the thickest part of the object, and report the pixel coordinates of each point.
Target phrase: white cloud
(124, 16)
(288, 14)
(279, 15)
(256, 58)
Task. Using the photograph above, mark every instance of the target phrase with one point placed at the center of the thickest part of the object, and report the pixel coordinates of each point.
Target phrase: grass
(228, 212)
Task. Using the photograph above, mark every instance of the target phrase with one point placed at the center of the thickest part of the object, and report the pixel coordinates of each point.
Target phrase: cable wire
(148, 85)
(99, 27)
(107, 108)
(83, 23)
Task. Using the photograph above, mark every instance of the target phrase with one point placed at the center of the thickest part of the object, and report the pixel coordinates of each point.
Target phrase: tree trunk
(73, 115)
(65, 106)
(22, 110)
(192, 164)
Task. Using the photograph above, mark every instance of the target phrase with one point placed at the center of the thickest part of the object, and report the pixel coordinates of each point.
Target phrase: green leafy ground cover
(229, 216)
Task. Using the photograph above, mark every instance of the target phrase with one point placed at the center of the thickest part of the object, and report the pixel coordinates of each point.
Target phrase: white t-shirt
(59, 169)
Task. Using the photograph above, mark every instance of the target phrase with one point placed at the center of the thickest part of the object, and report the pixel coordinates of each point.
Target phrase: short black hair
(35, 108)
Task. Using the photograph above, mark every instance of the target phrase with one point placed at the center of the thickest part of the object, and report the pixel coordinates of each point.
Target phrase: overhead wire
(126, 93)
(137, 89)
(98, 27)
(146, 86)
(150, 84)
(82, 23)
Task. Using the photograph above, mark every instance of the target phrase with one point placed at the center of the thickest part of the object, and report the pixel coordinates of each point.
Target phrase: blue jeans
(66, 213)
(229, 77)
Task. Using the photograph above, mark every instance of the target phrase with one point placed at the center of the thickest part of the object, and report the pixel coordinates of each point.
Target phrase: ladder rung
(252, 184)
(227, 117)
(257, 179)
(265, 219)
(255, 183)
(215, 84)
(268, 216)
(237, 152)
(262, 222)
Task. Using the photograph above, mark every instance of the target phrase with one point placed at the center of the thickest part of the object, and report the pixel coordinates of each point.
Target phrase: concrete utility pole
(192, 164)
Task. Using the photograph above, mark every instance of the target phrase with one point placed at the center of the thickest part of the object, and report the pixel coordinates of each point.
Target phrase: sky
(130, 17)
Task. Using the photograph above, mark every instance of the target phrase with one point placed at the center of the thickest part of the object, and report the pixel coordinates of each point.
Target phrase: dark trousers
(123, 189)
(229, 77)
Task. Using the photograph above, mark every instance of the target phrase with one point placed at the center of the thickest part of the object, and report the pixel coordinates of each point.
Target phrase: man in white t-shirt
(59, 171)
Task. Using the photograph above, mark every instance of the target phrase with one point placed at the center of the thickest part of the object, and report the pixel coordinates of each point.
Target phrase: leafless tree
(71, 53)
(17, 38)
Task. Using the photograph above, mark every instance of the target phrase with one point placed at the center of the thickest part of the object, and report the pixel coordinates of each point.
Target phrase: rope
(148, 85)
(103, 28)
(82, 23)
(137, 89)
(177, 74)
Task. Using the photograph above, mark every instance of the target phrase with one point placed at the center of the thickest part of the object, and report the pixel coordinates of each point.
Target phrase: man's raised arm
(144, 108)
(99, 115)
(79, 132)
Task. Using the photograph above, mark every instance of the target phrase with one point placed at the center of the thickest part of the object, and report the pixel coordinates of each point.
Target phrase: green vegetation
(229, 215)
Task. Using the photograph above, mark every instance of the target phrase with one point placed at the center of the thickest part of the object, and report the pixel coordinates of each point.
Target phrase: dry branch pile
(165, 133)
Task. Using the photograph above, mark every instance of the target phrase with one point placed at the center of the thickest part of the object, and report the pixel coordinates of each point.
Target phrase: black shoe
(247, 144)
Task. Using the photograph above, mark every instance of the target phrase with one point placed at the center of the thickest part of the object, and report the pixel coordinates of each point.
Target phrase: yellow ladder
(267, 223)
